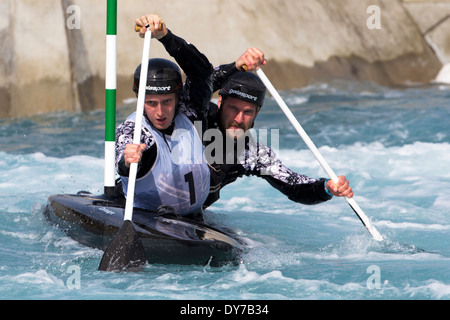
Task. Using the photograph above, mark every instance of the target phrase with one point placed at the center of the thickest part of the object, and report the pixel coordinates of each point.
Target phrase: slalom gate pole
(110, 95)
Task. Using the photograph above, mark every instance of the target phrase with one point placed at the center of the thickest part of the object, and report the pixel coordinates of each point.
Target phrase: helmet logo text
(151, 88)
(243, 95)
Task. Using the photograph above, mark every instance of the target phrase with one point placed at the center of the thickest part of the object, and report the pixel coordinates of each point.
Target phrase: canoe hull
(95, 220)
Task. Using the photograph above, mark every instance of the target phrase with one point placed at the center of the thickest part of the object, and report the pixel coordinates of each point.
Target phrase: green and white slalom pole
(110, 95)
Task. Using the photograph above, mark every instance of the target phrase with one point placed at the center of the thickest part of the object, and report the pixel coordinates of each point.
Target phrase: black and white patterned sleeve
(261, 161)
(124, 136)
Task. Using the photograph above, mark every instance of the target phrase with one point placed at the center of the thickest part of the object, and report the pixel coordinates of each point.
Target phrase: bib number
(189, 178)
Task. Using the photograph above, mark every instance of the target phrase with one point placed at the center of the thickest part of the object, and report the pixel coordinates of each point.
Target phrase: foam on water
(393, 145)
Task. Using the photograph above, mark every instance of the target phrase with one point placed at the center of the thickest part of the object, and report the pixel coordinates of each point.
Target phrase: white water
(394, 146)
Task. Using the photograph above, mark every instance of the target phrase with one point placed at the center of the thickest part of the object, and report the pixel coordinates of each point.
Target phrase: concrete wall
(47, 66)
(433, 21)
(34, 63)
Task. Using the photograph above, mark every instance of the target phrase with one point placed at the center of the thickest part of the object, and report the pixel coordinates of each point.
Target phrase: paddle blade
(125, 251)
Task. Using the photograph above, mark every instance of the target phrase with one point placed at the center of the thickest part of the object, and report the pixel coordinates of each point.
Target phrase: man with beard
(241, 97)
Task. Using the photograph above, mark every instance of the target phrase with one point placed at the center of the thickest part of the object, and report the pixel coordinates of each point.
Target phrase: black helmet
(163, 77)
(245, 86)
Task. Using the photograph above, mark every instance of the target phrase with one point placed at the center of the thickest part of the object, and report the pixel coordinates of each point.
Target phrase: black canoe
(95, 220)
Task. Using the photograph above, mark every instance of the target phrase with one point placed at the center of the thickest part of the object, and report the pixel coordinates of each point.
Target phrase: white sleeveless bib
(180, 175)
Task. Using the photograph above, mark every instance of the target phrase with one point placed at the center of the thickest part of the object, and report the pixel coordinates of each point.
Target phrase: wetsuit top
(257, 160)
(194, 100)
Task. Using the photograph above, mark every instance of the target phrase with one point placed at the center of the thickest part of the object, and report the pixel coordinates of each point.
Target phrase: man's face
(160, 109)
(236, 116)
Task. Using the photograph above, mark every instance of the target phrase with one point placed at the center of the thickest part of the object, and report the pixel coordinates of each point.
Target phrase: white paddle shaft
(138, 125)
(362, 216)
